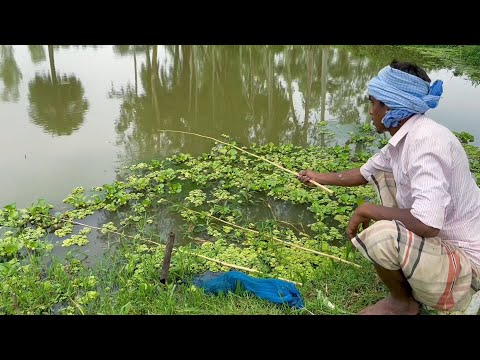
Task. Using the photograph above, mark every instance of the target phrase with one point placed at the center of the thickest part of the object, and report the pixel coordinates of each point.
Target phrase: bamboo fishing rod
(283, 241)
(328, 303)
(186, 252)
(245, 151)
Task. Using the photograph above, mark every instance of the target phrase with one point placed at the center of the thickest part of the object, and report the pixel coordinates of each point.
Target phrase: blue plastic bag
(274, 290)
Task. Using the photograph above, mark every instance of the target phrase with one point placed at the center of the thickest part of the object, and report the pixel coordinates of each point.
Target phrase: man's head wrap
(404, 94)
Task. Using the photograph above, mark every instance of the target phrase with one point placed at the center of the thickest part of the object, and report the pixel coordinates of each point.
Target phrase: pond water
(74, 115)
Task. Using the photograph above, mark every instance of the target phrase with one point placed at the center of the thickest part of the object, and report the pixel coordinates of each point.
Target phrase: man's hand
(366, 212)
(357, 218)
(305, 176)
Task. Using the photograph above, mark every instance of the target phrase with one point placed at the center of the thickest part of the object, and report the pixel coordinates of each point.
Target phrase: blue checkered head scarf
(404, 94)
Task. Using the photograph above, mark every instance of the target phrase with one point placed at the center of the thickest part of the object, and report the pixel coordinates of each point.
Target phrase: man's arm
(354, 177)
(368, 211)
(351, 177)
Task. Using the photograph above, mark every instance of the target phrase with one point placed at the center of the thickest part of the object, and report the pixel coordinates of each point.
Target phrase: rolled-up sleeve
(379, 161)
(429, 168)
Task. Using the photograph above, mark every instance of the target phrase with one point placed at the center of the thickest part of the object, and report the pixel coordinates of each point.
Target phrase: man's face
(378, 111)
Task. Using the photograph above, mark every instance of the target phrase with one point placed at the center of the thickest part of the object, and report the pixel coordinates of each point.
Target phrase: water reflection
(57, 102)
(249, 92)
(10, 74)
(37, 53)
(255, 94)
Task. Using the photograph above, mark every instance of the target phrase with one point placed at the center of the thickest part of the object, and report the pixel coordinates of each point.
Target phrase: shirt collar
(403, 131)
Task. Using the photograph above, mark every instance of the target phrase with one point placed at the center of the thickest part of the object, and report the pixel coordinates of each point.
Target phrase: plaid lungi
(440, 274)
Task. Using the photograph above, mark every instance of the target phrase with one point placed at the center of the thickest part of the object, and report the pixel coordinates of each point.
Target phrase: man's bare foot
(390, 306)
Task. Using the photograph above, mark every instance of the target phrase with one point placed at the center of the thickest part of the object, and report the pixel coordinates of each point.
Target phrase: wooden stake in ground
(15, 304)
(166, 257)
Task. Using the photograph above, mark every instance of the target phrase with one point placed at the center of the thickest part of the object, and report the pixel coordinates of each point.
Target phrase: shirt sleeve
(429, 169)
(378, 162)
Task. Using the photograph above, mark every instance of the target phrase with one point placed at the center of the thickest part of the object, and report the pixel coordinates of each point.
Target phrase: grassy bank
(462, 59)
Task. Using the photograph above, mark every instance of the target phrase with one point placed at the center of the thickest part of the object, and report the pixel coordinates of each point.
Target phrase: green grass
(222, 183)
(463, 60)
